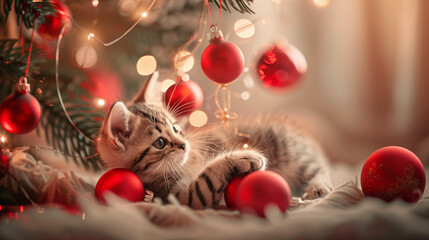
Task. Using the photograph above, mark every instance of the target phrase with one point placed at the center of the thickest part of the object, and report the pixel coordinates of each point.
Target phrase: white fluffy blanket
(344, 214)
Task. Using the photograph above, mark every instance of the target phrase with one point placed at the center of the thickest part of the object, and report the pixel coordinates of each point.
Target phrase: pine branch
(27, 10)
(58, 130)
(240, 6)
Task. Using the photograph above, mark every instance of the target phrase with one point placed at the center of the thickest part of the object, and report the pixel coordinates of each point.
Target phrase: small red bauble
(222, 61)
(281, 68)
(393, 172)
(51, 26)
(261, 189)
(121, 182)
(4, 164)
(20, 112)
(231, 192)
(183, 97)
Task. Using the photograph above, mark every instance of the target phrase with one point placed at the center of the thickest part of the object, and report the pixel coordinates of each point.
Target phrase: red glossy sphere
(222, 61)
(281, 68)
(121, 182)
(4, 164)
(231, 192)
(20, 113)
(260, 189)
(51, 26)
(183, 98)
(393, 172)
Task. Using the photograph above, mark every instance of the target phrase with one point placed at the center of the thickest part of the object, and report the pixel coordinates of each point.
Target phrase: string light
(95, 3)
(91, 36)
(144, 14)
(321, 3)
(198, 118)
(244, 28)
(146, 65)
(3, 139)
(101, 102)
(245, 145)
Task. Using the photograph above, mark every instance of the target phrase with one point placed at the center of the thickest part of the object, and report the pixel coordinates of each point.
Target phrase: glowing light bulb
(166, 84)
(244, 28)
(3, 139)
(198, 118)
(184, 61)
(101, 102)
(95, 3)
(144, 14)
(321, 3)
(86, 56)
(146, 65)
(90, 36)
(245, 145)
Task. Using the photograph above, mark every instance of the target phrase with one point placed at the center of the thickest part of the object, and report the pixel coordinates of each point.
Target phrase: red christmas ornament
(183, 98)
(20, 112)
(50, 27)
(260, 189)
(121, 182)
(222, 61)
(231, 192)
(281, 68)
(393, 172)
(4, 164)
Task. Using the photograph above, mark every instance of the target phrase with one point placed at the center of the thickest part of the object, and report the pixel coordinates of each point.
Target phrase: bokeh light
(245, 95)
(3, 139)
(244, 28)
(184, 61)
(321, 3)
(86, 56)
(198, 118)
(166, 84)
(146, 65)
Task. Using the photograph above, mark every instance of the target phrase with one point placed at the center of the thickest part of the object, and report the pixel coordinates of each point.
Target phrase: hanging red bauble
(4, 164)
(222, 61)
(183, 97)
(20, 112)
(393, 172)
(281, 67)
(121, 182)
(261, 189)
(231, 192)
(50, 27)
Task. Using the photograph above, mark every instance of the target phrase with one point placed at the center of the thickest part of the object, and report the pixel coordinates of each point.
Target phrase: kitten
(197, 166)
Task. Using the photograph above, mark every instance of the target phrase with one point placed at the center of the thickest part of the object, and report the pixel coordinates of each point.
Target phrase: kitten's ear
(150, 92)
(118, 124)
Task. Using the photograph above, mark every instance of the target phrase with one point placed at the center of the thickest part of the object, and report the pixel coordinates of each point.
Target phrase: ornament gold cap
(214, 33)
(22, 85)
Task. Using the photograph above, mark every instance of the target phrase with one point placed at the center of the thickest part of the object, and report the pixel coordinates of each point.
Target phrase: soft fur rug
(343, 214)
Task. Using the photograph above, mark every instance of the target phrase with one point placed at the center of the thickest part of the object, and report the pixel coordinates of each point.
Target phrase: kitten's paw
(249, 161)
(316, 190)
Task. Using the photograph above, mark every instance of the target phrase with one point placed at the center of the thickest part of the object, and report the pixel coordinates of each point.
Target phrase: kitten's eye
(175, 128)
(159, 143)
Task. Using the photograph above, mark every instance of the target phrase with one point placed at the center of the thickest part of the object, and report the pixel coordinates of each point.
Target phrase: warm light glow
(245, 95)
(248, 81)
(3, 139)
(277, 2)
(166, 84)
(244, 28)
(246, 69)
(83, 216)
(101, 102)
(321, 3)
(95, 3)
(146, 65)
(245, 145)
(90, 36)
(21, 208)
(127, 6)
(86, 56)
(144, 14)
(185, 77)
(198, 118)
(184, 61)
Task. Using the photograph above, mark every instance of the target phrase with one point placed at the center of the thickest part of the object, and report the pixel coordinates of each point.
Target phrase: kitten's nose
(183, 146)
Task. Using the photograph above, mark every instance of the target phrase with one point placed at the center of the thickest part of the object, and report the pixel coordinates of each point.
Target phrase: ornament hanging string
(31, 48)
(210, 15)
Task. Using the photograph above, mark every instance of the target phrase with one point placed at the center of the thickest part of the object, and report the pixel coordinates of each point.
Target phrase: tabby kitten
(197, 166)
